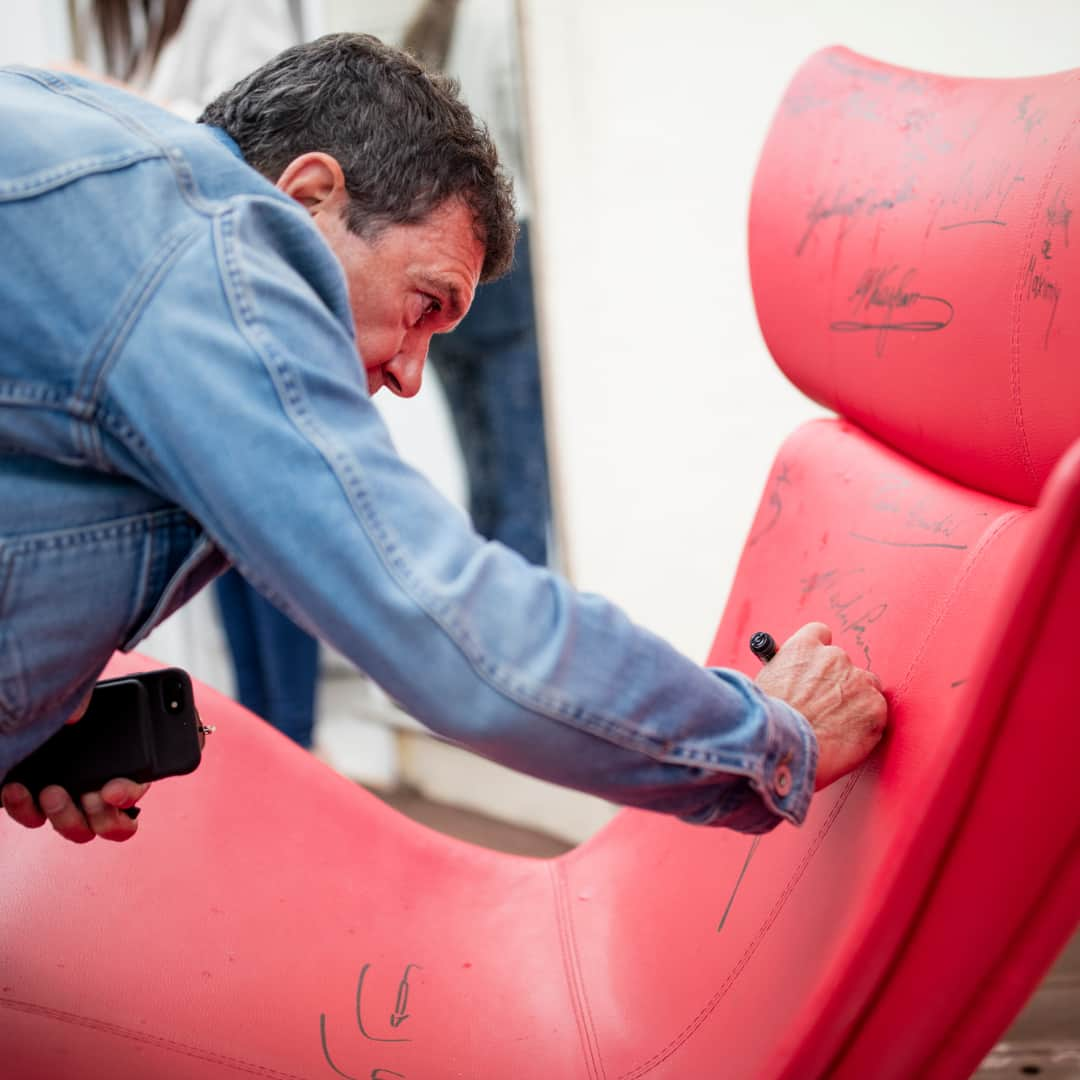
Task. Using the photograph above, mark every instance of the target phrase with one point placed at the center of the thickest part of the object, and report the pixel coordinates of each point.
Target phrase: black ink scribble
(854, 614)
(908, 543)
(400, 1013)
(1026, 115)
(893, 498)
(1038, 285)
(776, 505)
(977, 196)
(326, 1049)
(848, 206)
(398, 1017)
(376, 1074)
(919, 518)
(738, 882)
(1058, 216)
(882, 299)
(973, 221)
(359, 1011)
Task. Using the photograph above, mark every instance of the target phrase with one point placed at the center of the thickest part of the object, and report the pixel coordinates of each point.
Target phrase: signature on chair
(398, 1017)
(883, 302)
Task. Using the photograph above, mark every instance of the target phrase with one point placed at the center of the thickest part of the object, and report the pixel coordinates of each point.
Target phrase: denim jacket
(180, 390)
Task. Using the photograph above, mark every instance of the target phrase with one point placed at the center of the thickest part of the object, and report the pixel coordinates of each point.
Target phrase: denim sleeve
(238, 394)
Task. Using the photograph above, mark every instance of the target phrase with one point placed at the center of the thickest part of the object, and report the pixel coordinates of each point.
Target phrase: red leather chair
(914, 264)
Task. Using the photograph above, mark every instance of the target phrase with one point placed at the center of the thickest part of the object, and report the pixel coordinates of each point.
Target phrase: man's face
(411, 282)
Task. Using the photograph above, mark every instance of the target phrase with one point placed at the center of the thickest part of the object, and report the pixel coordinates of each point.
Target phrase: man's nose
(405, 372)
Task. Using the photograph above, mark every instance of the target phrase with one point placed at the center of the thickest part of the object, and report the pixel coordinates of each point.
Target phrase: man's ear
(314, 180)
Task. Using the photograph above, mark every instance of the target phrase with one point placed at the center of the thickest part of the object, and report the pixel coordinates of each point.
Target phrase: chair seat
(272, 918)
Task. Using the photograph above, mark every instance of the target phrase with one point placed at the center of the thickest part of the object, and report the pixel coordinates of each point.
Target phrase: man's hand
(842, 702)
(99, 813)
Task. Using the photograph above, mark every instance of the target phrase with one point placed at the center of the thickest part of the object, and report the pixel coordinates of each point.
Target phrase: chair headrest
(916, 265)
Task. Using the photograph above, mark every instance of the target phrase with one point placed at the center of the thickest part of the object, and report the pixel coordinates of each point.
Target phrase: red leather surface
(273, 920)
(914, 258)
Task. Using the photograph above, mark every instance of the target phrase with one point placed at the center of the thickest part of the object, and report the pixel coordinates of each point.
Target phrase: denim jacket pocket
(59, 589)
(119, 577)
(13, 692)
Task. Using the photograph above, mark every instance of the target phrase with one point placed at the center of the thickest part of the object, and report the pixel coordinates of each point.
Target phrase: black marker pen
(763, 646)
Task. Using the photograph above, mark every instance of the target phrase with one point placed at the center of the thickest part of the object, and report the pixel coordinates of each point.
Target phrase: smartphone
(138, 727)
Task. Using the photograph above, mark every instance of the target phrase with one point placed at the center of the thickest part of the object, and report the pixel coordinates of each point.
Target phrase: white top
(484, 57)
(216, 46)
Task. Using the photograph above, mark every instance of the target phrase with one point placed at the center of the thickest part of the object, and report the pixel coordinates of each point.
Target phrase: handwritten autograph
(776, 504)
(400, 1015)
(1058, 216)
(978, 195)
(879, 296)
(397, 1018)
(834, 585)
(1039, 286)
(1030, 117)
(843, 205)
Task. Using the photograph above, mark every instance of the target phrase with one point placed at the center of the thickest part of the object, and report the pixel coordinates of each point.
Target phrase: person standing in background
(182, 54)
(489, 366)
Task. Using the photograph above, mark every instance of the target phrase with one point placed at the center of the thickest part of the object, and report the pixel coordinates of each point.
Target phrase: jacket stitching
(29, 187)
(131, 306)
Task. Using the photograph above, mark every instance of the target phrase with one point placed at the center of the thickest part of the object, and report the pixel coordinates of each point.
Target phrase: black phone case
(138, 727)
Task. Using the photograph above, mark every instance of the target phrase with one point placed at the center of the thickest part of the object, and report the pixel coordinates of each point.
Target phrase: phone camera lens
(173, 693)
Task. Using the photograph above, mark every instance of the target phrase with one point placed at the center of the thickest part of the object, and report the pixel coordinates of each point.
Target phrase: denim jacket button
(782, 781)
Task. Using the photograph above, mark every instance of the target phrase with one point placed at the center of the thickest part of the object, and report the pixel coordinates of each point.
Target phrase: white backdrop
(34, 33)
(647, 121)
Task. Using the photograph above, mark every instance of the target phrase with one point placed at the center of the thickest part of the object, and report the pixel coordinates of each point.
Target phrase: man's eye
(430, 305)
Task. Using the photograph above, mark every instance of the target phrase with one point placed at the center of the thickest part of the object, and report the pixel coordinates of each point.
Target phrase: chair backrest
(913, 261)
(912, 250)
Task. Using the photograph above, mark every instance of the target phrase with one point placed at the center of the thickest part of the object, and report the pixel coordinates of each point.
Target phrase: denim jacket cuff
(786, 780)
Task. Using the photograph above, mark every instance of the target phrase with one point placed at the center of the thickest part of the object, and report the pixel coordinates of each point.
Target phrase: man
(180, 389)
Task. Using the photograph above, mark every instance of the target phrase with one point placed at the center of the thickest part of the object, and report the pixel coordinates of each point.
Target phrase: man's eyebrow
(447, 290)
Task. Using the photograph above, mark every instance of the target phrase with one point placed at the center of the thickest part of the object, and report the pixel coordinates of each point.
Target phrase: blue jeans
(490, 369)
(275, 662)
